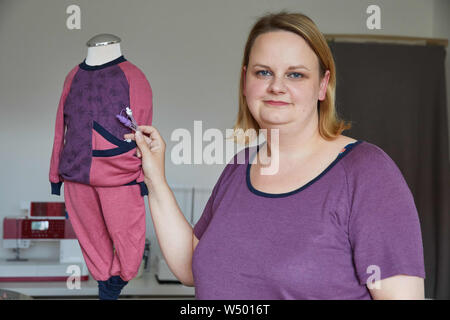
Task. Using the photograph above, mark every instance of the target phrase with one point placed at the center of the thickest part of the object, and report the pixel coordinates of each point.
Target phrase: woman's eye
(296, 75)
(292, 75)
(262, 73)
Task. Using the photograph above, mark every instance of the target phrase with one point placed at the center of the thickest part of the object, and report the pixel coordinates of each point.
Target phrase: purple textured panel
(95, 95)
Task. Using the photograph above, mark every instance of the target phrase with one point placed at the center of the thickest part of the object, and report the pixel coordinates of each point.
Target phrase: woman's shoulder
(365, 152)
(367, 159)
(237, 164)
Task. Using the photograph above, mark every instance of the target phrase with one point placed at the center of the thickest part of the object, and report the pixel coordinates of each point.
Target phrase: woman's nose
(277, 85)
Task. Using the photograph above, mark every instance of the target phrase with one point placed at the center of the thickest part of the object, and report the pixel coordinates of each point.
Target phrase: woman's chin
(275, 120)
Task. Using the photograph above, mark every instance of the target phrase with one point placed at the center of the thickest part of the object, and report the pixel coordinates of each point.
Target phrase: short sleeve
(383, 226)
(207, 214)
(205, 218)
(208, 211)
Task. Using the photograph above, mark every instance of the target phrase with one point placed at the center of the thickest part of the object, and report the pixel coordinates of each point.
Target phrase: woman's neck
(282, 149)
(294, 141)
(103, 54)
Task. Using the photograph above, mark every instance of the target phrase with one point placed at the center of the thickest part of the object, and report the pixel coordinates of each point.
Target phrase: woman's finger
(147, 139)
(142, 144)
(150, 131)
(147, 129)
(133, 137)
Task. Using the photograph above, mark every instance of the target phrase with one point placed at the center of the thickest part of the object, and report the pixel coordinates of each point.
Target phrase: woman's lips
(276, 103)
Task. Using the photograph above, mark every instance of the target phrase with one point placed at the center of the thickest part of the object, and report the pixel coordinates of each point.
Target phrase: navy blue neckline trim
(85, 66)
(348, 148)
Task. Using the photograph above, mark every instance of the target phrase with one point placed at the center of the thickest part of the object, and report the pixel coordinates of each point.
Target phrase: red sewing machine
(46, 221)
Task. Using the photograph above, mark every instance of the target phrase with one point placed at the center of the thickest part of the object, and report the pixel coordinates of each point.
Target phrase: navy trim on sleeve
(144, 189)
(56, 188)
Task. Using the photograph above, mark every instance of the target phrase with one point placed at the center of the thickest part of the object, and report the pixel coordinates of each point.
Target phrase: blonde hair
(330, 125)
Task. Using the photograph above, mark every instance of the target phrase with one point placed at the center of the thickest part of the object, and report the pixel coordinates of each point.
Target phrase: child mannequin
(103, 177)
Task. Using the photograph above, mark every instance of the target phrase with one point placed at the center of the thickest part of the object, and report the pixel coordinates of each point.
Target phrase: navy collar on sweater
(85, 66)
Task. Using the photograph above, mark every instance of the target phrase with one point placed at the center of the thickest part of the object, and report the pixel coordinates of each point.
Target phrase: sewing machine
(46, 221)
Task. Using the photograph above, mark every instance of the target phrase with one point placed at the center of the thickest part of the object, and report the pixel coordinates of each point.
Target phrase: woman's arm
(400, 287)
(173, 231)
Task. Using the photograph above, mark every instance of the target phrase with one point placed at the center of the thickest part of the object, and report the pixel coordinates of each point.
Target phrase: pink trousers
(110, 226)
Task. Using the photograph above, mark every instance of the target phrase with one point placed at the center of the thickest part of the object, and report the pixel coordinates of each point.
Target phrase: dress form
(103, 48)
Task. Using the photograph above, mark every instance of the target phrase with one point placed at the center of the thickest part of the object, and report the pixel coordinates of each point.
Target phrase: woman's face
(283, 68)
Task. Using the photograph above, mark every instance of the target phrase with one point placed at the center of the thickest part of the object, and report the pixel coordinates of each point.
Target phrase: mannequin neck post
(103, 54)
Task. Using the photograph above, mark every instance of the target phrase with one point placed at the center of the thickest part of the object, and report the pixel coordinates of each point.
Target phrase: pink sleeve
(58, 141)
(141, 103)
(141, 94)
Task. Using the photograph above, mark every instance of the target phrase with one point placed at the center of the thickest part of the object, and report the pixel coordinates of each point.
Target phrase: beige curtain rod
(383, 38)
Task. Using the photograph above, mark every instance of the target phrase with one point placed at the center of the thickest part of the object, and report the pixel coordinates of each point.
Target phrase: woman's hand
(151, 148)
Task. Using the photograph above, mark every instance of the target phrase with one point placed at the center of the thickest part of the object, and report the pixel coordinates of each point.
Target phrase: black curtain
(395, 96)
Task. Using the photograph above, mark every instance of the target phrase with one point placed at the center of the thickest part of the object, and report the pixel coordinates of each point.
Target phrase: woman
(336, 220)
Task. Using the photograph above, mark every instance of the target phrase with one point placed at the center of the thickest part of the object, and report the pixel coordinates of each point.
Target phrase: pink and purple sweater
(89, 146)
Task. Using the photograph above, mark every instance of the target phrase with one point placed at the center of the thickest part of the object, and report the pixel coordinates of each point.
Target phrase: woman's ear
(324, 85)
(244, 70)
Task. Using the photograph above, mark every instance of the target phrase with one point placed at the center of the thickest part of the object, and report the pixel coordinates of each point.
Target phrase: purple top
(97, 94)
(354, 223)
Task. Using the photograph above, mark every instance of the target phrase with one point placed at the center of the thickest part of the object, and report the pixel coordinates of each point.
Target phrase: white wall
(190, 51)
